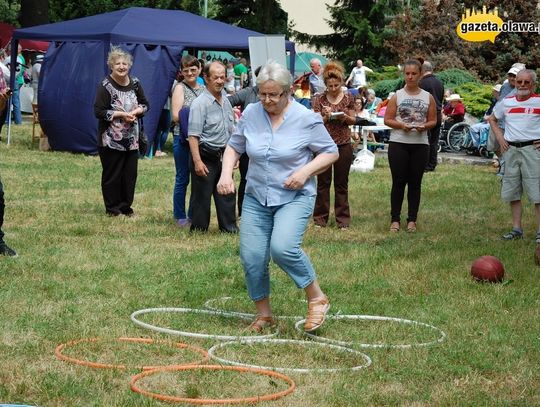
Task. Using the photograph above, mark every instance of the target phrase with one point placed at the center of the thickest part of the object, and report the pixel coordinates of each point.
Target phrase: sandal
(411, 227)
(394, 227)
(316, 314)
(261, 323)
(514, 234)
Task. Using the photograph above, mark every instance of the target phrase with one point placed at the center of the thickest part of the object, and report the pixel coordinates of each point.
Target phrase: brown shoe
(261, 323)
(316, 314)
(394, 227)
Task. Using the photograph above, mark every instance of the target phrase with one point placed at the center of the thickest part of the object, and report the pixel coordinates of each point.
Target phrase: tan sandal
(394, 227)
(411, 227)
(316, 314)
(261, 323)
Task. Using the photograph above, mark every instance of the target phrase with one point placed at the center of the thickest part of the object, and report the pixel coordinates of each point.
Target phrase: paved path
(453, 158)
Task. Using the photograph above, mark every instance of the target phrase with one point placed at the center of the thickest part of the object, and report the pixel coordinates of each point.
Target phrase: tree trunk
(34, 12)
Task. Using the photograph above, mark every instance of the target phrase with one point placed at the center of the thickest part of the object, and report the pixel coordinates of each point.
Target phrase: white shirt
(359, 76)
(521, 118)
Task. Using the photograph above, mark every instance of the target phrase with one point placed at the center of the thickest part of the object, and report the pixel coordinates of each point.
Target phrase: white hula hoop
(441, 338)
(192, 334)
(210, 305)
(367, 359)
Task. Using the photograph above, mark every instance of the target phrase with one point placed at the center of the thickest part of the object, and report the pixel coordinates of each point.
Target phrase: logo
(479, 26)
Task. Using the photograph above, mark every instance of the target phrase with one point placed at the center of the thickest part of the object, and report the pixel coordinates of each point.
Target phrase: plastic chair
(35, 121)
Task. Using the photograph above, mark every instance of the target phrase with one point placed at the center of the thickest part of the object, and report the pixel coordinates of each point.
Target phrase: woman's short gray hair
(273, 71)
(117, 53)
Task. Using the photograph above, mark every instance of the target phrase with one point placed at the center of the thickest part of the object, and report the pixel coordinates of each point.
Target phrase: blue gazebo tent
(76, 63)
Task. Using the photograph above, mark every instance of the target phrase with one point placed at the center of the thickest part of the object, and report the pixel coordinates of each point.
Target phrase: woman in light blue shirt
(287, 145)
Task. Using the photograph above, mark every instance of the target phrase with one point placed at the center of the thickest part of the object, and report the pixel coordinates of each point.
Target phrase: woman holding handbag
(184, 92)
(119, 102)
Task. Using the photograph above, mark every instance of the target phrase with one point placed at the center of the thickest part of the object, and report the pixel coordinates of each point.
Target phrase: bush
(452, 78)
(384, 87)
(476, 98)
(384, 73)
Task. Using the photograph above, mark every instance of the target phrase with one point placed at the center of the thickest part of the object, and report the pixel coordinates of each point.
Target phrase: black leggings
(407, 163)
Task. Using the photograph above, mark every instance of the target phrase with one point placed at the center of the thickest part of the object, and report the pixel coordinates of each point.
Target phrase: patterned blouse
(111, 97)
(190, 94)
(340, 132)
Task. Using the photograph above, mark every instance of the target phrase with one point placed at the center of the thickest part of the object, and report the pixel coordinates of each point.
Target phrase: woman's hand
(296, 180)
(126, 116)
(326, 111)
(225, 185)
(137, 111)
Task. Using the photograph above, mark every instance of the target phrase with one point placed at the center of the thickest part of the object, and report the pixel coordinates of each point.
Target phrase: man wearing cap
(508, 88)
(476, 129)
(509, 85)
(520, 146)
(435, 87)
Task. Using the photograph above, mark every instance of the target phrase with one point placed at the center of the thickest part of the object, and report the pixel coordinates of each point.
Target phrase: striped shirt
(521, 118)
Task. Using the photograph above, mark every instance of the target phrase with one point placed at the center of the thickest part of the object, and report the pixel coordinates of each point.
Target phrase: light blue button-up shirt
(276, 154)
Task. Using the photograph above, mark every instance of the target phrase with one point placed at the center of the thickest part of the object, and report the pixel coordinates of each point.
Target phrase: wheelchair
(478, 145)
(453, 139)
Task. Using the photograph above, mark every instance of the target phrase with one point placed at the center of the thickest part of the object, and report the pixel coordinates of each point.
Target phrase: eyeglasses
(523, 82)
(190, 70)
(274, 97)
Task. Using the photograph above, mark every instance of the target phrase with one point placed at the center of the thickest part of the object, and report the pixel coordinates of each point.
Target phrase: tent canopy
(76, 63)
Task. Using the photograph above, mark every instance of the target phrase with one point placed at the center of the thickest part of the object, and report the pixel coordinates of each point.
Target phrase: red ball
(487, 268)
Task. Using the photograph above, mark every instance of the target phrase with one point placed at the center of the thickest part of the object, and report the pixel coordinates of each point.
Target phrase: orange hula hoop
(97, 365)
(255, 399)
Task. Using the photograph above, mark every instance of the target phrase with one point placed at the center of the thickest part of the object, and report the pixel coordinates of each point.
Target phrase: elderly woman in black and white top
(119, 102)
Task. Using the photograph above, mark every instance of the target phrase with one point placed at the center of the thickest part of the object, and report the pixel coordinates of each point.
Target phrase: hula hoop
(255, 399)
(441, 338)
(209, 305)
(367, 359)
(97, 365)
(192, 334)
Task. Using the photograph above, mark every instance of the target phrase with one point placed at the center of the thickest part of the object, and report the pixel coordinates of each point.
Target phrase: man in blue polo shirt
(211, 122)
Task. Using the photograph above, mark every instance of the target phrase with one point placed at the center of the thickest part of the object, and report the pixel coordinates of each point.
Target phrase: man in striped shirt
(520, 146)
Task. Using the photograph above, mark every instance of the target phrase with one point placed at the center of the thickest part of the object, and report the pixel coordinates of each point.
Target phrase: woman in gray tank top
(410, 113)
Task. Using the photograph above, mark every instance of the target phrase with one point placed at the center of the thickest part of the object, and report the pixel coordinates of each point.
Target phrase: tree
(34, 12)
(359, 29)
(430, 31)
(9, 10)
(264, 16)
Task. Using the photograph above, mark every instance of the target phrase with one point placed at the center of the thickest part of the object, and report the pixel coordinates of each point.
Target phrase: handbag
(143, 139)
(210, 153)
(3, 102)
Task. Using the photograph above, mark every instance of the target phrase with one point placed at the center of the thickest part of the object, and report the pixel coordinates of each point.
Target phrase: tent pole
(9, 108)
(14, 50)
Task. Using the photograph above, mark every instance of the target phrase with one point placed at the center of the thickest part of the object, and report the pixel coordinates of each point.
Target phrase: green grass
(81, 274)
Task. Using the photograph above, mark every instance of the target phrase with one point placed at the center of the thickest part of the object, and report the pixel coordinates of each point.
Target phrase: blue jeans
(277, 232)
(181, 162)
(16, 100)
